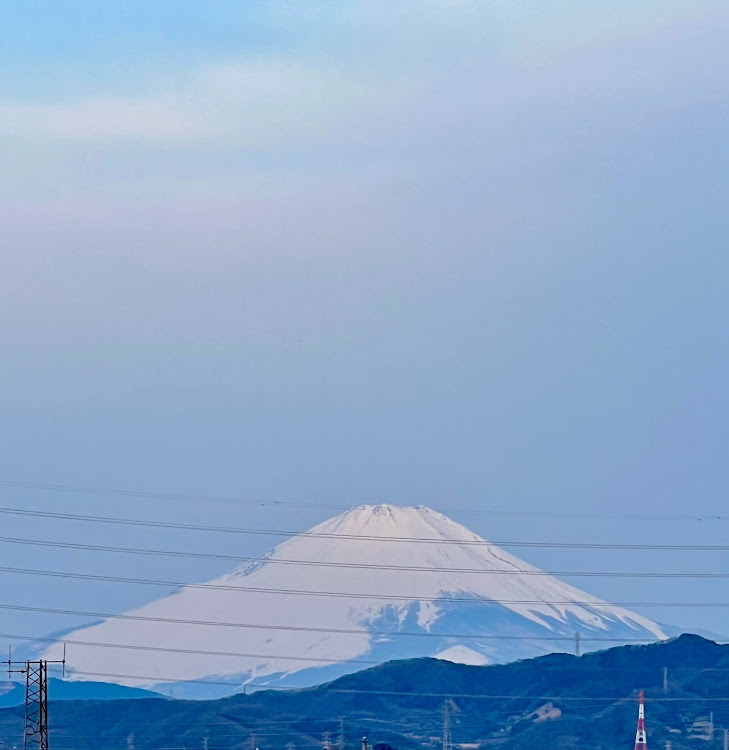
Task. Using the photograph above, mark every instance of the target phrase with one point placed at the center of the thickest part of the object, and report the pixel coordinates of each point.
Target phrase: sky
(469, 254)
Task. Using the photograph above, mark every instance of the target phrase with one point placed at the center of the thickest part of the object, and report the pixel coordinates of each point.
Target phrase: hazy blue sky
(464, 253)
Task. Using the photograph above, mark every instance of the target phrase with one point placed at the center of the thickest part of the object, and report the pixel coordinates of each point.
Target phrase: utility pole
(578, 638)
(327, 743)
(665, 679)
(35, 733)
(711, 725)
(726, 739)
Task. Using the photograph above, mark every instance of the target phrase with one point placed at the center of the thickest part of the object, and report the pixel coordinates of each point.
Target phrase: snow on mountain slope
(379, 567)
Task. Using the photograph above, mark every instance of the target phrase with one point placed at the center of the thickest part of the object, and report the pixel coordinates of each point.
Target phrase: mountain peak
(405, 522)
(375, 583)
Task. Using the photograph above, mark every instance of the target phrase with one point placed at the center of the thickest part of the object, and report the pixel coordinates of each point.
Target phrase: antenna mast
(640, 743)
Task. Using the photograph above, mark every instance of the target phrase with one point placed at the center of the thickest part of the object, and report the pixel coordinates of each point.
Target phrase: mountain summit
(375, 583)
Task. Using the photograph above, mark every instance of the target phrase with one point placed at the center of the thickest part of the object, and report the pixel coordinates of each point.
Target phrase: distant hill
(556, 701)
(13, 694)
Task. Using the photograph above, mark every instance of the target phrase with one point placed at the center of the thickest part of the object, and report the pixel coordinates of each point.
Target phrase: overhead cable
(208, 498)
(347, 594)
(477, 542)
(354, 565)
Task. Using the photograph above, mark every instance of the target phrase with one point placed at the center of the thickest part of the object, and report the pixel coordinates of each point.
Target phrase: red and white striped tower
(640, 743)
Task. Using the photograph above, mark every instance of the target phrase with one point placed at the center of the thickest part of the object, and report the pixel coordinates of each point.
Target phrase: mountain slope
(379, 568)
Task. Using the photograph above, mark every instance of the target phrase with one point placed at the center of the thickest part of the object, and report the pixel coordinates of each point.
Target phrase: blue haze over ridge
(460, 618)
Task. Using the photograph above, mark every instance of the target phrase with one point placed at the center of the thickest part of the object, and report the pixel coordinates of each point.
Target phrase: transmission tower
(447, 736)
(340, 738)
(35, 733)
(447, 709)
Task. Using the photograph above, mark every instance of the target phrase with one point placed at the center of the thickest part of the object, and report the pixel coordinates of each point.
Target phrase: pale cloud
(162, 118)
(240, 103)
(387, 78)
(362, 253)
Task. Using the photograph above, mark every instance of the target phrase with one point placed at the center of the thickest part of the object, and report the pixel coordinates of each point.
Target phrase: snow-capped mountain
(378, 582)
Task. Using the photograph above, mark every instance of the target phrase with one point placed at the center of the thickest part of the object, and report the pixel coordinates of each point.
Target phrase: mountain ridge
(553, 701)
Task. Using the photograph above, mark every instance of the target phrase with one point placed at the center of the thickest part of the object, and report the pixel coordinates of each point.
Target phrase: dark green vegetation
(555, 701)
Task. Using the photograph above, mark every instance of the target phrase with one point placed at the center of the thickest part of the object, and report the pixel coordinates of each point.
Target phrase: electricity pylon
(35, 733)
(340, 737)
(447, 736)
(449, 709)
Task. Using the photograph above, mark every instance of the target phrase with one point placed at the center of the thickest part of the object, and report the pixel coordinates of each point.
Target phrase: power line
(172, 496)
(410, 693)
(185, 746)
(366, 566)
(291, 628)
(207, 498)
(201, 652)
(347, 595)
(289, 726)
(305, 730)
(275, 724)
(264, 729)
(354, 537)
(170, 650)
(295, 628)
(267, 727)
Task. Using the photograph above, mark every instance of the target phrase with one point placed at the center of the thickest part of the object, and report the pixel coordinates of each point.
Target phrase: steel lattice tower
(447, 735)
(36, 706)
(340, 738)
(35, 732)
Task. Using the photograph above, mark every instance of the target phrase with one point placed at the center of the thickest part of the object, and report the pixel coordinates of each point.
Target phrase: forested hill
(555, 701)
